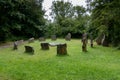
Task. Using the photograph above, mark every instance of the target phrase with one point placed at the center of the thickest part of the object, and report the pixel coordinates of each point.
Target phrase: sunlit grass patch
(99, 63)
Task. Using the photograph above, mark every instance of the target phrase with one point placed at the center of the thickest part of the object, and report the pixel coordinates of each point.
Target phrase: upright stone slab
(84, 42)
(41, 39)
(84, 45)
(68, 37)
(62, 49)
(15, 47)
(105, 41)
(29, 49)
(44, 46)
(53, 37)
(31, 40)
(99, 39)
(20, 41)
(85, 36)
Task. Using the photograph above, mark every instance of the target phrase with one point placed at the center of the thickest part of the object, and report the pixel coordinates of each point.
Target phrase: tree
(105, 19)
(69, 18)
(20, 18)
(62, 12)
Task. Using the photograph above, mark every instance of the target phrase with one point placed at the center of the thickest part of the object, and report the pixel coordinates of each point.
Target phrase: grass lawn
(99, 63)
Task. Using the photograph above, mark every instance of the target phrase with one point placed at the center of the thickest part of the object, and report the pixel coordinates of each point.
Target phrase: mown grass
(99, 63)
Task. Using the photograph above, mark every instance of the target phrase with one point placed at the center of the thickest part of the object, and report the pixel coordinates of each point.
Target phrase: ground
(99, 63)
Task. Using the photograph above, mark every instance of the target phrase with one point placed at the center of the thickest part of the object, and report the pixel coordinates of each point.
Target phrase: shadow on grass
(93, 47)
(62, 55)
(86, 52)
(29, 53)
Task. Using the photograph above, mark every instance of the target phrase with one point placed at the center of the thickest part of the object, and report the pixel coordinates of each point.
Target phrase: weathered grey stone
(84, 41)
(29, 49)
(53, 37)
(53, 44)
(31, 40)
(105, 41)
(41, 39)
(20, 41)
(84, 45)
(68, 37)
(15, 47)
(99, 39)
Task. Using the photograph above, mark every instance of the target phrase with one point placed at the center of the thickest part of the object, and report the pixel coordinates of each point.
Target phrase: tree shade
(20, 18)
(105, 19)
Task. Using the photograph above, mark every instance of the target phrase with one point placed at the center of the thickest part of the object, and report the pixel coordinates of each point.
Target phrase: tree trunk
(62, 49)
(41, 39)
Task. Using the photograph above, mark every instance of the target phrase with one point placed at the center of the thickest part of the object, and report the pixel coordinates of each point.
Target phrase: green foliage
(51, 29)
(20, 18)
(99, 63)
(69, 18)
(61, 10)
(105, 19)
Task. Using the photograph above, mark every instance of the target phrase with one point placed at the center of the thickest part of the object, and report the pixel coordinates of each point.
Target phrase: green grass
(99, 63)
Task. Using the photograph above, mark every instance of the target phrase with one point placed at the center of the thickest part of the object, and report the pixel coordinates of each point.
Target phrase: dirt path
(6, 45)
(10, 44)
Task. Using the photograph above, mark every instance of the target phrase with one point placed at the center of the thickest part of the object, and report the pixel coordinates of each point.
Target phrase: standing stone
(53, 37)
(29, 49)
(84, 41)
(45, 46)
(62, 49)
(15, 47)
(99, 39)
(20, 42)
(84, 45)
(105, 41)
(68, 37)
(41, 39)
(31, 40)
